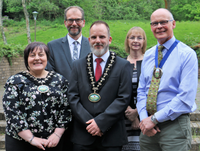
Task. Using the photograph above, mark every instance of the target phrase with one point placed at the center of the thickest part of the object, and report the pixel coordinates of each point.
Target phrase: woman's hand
(39, 142)
(53, 140)
(131, 114)
(135, 124)
(35, 141)
(55, 137)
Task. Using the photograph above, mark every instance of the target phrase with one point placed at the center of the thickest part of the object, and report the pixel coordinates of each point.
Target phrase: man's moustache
(97, 44)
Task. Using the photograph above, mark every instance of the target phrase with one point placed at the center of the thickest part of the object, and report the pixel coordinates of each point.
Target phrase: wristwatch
(153, 119)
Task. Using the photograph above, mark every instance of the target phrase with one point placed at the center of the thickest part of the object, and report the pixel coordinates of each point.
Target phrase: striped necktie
(75, 51)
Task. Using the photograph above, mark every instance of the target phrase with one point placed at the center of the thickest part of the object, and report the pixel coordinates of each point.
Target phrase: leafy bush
(9, 22)
(190, 40)
(197, 50)
(118, 51)
(10, 51)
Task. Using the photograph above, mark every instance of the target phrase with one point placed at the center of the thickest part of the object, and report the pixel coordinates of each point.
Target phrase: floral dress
(27, 108)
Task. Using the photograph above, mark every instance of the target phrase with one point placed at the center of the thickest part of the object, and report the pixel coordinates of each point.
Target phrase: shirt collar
(71, 40)
(168, 43)
(104, 57)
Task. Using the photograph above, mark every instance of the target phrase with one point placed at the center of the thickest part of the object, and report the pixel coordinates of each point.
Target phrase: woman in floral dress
(35, 104)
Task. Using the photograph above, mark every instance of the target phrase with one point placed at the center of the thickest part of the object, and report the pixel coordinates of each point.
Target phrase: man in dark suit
(62, 52)
(98, 100)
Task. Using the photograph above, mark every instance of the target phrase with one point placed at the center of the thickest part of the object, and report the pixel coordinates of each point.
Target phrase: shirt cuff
(161, 116)
(143, 115)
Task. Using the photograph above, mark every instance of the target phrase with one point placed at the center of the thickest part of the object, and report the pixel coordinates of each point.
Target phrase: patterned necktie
(98, 70)
(151, 105)
(75, 51)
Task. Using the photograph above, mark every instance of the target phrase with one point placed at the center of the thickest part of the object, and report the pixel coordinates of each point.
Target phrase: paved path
(197, 98)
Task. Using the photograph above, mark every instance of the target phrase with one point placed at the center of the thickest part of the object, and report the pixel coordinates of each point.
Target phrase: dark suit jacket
(60, 57)
(108, 112)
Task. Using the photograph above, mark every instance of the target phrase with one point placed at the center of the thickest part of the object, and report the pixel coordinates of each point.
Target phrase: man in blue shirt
(169, 127)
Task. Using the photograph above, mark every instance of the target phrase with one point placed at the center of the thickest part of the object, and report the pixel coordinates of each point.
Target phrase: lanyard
(166, 55)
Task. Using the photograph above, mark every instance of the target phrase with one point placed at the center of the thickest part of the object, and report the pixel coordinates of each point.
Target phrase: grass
(187, 32)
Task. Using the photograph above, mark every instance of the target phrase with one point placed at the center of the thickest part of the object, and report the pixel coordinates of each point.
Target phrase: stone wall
(6, 70)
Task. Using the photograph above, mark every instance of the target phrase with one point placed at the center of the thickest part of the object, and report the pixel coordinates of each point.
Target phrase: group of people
(77, 95)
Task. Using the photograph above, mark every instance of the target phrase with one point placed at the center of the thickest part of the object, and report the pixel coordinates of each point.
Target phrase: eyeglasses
(134, 38)
(163, 22)
(78, 20)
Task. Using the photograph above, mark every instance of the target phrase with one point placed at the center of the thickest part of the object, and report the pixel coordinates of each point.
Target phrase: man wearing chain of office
(99, 93)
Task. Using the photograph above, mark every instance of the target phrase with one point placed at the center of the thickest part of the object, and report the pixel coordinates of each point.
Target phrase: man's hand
(150, 132)
(147, 127)
(93, 128)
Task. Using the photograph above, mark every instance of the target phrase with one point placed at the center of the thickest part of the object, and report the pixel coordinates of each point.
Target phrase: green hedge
(10, 51)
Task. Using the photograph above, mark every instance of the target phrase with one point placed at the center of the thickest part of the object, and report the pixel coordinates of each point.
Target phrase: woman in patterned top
(135, 46)
(35, 104)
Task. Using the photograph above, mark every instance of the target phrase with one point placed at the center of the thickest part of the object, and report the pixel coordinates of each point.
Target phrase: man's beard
(98, 52)
(72, 33)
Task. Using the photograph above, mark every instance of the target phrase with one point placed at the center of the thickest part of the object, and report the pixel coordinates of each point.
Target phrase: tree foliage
(186, 10)
(104, 9)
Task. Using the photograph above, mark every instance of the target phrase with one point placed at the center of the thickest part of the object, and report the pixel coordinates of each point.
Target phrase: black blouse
(26, 108)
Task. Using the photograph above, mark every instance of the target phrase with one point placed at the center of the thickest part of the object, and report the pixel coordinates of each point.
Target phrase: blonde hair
(142, 32)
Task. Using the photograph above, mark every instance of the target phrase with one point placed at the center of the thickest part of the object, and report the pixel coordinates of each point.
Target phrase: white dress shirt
(71, 44)
(103, 63)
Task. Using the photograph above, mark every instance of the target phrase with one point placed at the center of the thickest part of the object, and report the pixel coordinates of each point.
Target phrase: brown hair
(31, 47)
(101, 22)
(70, 7)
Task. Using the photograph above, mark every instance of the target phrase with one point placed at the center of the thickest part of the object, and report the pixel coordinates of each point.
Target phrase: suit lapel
(84, 47)
(66, 49)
